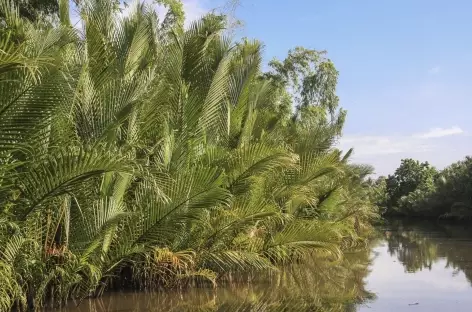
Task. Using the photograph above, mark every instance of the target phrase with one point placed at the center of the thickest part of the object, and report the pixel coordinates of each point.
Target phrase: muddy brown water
(409, 267)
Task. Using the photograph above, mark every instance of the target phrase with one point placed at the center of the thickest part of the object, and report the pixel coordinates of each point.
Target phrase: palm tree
(142, 153)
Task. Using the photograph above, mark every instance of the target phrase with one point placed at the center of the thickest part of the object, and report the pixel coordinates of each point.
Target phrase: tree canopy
(418, 189)
(35, 9)
(136, 152)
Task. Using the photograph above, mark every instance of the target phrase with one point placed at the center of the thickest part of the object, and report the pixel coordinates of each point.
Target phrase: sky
(405, 69)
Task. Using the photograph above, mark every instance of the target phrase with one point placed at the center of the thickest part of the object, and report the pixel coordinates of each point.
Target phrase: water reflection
(410, 266)
(320, 286)
(422, 266)
(420, 245)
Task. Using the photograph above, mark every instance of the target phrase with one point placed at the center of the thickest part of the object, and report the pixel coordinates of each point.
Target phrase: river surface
(409, 267)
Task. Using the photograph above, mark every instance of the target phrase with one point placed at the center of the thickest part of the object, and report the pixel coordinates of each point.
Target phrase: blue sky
(405, 69)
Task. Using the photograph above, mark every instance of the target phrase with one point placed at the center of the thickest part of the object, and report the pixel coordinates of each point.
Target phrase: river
(408, 267)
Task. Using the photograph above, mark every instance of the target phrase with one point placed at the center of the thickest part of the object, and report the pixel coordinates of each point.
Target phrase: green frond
(249, 162)
(235, 261)
(138, 152)
(190, 192)
(299, 239)
(63, 171)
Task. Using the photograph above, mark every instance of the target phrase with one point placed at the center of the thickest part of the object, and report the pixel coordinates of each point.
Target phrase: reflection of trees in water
(412, 250)
(320, 286)
(421, 245)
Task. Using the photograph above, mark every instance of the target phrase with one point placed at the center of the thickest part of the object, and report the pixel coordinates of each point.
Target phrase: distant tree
(34, 9)
(418, 189)
(310, 78)
(378, 192)
(454, 189)
(408, 185)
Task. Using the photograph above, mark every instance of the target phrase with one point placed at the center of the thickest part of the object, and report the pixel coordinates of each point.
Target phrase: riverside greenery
(138, 153)
(417, 189)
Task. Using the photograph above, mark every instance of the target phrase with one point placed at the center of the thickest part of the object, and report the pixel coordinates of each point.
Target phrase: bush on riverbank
(419, 190)
(137, 152)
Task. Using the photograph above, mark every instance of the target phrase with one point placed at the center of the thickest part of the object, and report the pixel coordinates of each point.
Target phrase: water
(422, 267)
(409, 267)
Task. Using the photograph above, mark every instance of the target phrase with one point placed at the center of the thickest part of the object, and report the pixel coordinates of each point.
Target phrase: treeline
(420, 190)
(138, 153)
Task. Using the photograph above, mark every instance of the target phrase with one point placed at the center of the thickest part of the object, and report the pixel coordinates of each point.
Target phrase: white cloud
(194, 9)
(434, 70)
(439, 133)
(384, 152)
(381, 145)
(367, 146)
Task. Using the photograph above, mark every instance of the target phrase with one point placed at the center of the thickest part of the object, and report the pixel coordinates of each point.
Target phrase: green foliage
(138, 153)
(454, 190)
(35, 9)
(314, 286)
(417, 189)
(309, 83)
(409, 184)
(378, 191)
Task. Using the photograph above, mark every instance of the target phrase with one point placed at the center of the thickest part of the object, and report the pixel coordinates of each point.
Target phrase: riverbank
(409, 265)
(143, 153)
(309, 287)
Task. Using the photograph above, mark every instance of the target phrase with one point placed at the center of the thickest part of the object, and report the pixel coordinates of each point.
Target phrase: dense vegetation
(318, 286)
(418, 189)
(136, 153)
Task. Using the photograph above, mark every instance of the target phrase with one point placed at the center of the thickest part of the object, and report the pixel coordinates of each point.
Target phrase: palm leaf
(60, 173)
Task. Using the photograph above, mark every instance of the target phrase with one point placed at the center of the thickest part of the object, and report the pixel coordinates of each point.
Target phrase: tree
(310, 80)
(453, 196)
(35, 9)
(417, 189)
(141, 153)
(378, 192)
(409, 184)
